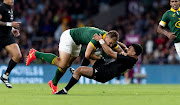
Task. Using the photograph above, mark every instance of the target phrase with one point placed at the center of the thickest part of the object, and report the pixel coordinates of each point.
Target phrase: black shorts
(99, 71)
(6, 41)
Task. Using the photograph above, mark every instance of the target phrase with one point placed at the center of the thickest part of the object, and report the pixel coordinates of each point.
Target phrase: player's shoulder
(168, 11)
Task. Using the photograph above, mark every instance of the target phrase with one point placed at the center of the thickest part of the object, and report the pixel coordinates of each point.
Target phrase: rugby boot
(54, 88)
(30, 57)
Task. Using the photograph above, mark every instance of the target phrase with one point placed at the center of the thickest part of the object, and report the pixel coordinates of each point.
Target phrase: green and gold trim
(61, 70)
(92, 45)
(104, 36)
(174, 10)
(116, 47)
(162, 23)
(53, 60)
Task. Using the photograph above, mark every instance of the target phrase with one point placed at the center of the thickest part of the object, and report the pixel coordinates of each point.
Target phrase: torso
(7, 16)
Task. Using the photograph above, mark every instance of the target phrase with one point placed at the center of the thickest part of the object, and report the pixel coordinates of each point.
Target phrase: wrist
(9, 24)
(101, 41)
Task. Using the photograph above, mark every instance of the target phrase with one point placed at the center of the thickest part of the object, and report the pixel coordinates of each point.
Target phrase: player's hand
(16, 24)
(123, 53)
(97, 37)
(15, 32)
(171, 35)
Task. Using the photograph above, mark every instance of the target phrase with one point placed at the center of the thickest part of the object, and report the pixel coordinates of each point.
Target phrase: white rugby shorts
(68, 45)
(177, 46)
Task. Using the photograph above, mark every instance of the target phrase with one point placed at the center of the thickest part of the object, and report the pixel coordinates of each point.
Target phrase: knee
(17, 57)
(78, 71)
(59, 63)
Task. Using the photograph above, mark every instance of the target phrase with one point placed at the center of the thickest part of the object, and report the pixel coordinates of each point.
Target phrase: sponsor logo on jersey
(177, 24)
(174, 15)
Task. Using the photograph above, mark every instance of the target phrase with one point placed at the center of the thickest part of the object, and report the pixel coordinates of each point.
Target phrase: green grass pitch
(40, 94)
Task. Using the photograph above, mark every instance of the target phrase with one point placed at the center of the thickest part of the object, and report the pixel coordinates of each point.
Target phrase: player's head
(135, 49)
(175, 4)
(111, 38)
(9, 2)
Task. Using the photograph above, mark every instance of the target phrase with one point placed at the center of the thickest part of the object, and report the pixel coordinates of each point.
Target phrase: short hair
(138, 49)
(113, 34)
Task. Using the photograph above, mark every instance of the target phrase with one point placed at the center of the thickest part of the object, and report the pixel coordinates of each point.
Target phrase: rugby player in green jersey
(172, 19)
(69, 48)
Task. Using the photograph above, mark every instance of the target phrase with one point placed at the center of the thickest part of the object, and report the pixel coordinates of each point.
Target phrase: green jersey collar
(174, 9)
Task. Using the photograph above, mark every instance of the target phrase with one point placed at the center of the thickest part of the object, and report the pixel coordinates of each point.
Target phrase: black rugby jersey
(7, 16)
(116, 68)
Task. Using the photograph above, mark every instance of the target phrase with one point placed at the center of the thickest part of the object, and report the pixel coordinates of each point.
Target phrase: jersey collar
(174, 9)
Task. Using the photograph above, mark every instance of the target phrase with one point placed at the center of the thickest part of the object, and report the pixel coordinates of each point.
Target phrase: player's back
(84, 35)
(119, 66)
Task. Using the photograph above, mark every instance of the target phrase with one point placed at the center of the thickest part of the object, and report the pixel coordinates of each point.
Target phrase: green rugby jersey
(84, 36)
(172, 19)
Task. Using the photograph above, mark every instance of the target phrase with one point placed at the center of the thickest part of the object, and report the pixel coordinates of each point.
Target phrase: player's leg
(14, 50)
(48, 57)
(73, 50)
(66, 46)
(62, 69)
(80, 71)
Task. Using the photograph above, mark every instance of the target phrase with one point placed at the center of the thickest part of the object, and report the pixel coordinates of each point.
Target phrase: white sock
(5, 76)
(65, 90)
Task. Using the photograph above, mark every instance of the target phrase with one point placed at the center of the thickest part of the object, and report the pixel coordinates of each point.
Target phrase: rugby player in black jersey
(7, 41)
(102, 71)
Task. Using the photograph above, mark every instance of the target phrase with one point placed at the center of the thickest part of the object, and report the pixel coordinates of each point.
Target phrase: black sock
(85, 62)
(71, 83)
(11, 65)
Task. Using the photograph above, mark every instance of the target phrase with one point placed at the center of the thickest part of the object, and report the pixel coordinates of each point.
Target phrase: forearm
(94, 56)
(162, 31)
(2, 23)
(122, 45)
(107, 49)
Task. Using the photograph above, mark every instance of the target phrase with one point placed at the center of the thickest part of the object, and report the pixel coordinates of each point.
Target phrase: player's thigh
(63, 60)
(85, 71)
(71, 60)
(13, 49)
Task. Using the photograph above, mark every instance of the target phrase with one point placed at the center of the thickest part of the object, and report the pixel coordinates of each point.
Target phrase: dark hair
(113, 34)
(138, 49)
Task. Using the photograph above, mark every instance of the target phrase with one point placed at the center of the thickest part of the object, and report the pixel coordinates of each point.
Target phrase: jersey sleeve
(164, 20)
(94, 43)
(115, 46)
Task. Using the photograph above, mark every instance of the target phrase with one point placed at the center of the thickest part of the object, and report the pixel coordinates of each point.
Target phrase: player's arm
(118, 49)
(161, 27)
(106, 48)
(2, 23)
(161, 30)
(123, 46)
(89, 52)
(9, 24)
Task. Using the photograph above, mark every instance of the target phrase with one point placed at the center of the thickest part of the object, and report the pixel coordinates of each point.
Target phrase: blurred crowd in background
(43, 21)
